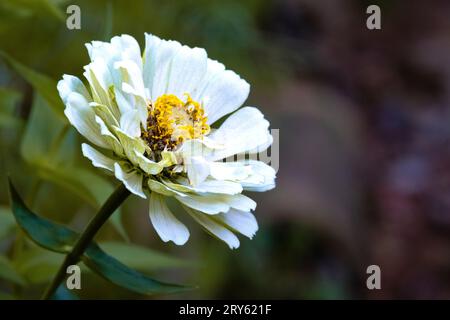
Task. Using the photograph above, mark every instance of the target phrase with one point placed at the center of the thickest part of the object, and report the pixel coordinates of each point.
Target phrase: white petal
(244, 130)
(188, 67)
(147, 165)
(261, 179)
(229, 170)
(131, 178)
(131, 75)
(193, 148)
(166, 225)
(128, 48)
(207, 186)
(264, 144)
(163, 189)
(104, 113)
(122, 47)
(216, 203)
(113, 143)
(211, 144)
(223, 92)
(71, 84)
(82, 117)
(210, 204)
(107, 76)
(241, 221)
(130, 123)
(100, 79)
(132, 84)
(241, 202)
(215, 228)
(213, 70)
(124, 101)
(98, 159)
(178, 186)
(131, 146)
(158, 56)
(197, 170)
(168, 158)
(216, 186)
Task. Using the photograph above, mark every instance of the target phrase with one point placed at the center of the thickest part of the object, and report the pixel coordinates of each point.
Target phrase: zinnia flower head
(148, 118)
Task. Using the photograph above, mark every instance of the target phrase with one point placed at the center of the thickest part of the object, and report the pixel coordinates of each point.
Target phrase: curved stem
(113, 202)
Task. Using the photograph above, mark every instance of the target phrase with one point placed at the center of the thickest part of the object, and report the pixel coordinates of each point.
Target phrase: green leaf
(58, 238)
(6, 296)
(141, 258)
(47, 146)
(7, 223)
(85, 184)
(62, 293)
(116, 272)
(7, 272)
(27, 7)
(47, 234)
(37, 265)
(8, 101)
(43, 134)
(108, 26)
(54, 159)
(81, 182)
(116, 221)
(43, 84)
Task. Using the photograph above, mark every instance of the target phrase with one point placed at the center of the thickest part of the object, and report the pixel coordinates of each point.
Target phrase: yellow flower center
(171, 121)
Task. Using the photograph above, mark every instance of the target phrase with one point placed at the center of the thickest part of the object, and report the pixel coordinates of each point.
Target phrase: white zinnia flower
(149, 118)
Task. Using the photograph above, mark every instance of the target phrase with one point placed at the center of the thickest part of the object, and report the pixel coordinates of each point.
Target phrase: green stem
(73, 257)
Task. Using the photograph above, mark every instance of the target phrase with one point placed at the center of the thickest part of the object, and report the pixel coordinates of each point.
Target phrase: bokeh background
(364, 119)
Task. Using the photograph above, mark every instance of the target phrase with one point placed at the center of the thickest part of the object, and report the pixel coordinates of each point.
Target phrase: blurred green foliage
(41, 152)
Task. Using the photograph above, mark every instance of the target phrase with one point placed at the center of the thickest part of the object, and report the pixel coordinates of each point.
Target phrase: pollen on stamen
(172, 121)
